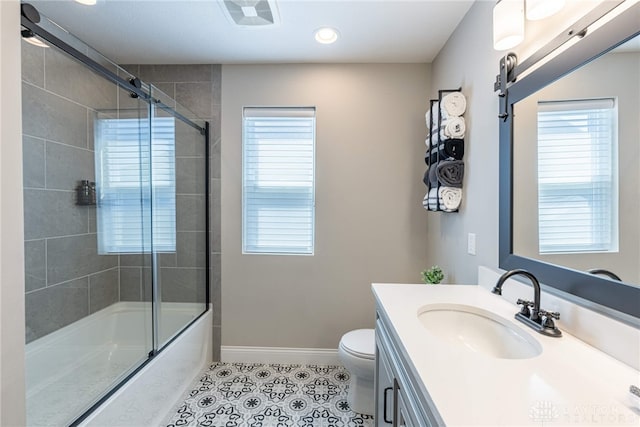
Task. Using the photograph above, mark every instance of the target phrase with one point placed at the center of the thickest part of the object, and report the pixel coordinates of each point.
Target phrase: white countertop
(569, 383)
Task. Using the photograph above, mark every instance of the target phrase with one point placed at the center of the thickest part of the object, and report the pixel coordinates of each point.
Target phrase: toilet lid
(361, 343)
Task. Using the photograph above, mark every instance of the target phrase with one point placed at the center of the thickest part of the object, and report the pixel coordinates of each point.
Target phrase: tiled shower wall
(66, 279)
(197, 88)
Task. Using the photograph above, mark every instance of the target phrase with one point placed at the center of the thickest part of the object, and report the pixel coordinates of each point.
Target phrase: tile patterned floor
(259, 395)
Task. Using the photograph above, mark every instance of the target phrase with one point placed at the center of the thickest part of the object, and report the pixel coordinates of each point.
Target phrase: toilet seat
(360, 343)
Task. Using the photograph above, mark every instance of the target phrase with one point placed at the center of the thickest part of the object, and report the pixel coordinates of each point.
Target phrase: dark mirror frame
(613, 298)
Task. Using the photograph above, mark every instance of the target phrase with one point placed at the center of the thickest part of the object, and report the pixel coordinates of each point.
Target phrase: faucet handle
(525, 306)
(548, 318)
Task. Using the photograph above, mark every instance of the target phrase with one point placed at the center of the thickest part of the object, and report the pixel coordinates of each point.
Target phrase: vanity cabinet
(398, 401)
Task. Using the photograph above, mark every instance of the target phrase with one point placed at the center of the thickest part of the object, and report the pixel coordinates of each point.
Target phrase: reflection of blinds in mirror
(126, 203)
(577, 176)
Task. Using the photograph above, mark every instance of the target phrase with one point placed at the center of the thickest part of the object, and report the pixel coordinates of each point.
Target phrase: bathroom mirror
(569, 158)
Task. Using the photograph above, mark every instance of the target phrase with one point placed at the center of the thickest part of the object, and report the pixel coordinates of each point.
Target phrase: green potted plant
(433, 275)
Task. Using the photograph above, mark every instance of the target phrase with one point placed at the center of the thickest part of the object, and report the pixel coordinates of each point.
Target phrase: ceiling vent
(252, 13)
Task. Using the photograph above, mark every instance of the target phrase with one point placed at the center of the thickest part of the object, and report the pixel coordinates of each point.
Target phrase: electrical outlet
(471, 243)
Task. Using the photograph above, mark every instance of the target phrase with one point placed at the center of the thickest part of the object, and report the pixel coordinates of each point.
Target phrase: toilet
(357, 352)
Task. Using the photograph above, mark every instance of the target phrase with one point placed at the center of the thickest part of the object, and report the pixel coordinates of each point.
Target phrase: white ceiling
(197, 31)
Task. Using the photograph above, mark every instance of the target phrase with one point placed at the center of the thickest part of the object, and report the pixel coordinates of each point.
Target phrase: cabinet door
(384, 388)
(405, 416)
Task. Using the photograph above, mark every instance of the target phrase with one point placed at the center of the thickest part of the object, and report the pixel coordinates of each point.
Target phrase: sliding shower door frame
(135, 88)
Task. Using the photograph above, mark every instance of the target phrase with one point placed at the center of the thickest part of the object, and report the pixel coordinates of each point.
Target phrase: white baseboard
(315, 356)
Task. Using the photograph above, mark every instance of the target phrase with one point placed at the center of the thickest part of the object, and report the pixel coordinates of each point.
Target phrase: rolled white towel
(450, 198)
(454, 104)
(425, 201)
(453, 127)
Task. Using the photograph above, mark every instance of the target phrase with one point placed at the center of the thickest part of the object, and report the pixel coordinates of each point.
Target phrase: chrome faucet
(531, 314)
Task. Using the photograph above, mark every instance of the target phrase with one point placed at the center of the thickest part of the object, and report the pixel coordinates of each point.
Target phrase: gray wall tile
(217, 342)
(175, 73)
(215, 213)
(32, 63)
(103, 289)
(216, 289)
(129, 70)
(190, 213)
(135, 260)
(214, 162)
(33, 169)
(50, 213)
(189, 142)
(169, 259)
(130, 283)
(191, 175)
(35, 265)
(51, 308)
(182, 284)
(196, 97)
(45, 115)
(69, 78)
(93, 220)
(168, 93)
(66, 166)
(216, 84)
(191, 248)
(75, 256)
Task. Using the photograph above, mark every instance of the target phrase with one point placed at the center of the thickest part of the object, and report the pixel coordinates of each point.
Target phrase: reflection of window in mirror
(577, 176)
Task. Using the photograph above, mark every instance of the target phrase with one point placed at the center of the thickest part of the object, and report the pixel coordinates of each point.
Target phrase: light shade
(326, 35)
(508, 24)
(87, 2)
(540, 9)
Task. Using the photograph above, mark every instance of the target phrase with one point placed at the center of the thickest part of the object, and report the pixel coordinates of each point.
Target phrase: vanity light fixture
(31, 38)
(540, 9)
(508, 24)
(508, 19)
(87, 2)
(326, 35)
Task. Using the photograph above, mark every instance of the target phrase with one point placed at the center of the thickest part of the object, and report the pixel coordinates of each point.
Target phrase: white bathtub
(71, 367)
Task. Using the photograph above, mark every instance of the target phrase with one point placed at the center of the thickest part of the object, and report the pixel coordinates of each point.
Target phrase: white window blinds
(135, 184)
(278, 180)
(577, 177)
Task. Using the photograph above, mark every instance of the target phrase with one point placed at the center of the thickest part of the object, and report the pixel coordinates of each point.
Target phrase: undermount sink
(478, 330)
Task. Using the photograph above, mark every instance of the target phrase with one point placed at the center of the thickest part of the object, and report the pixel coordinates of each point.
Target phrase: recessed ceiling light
(326, 35)
(87, 2)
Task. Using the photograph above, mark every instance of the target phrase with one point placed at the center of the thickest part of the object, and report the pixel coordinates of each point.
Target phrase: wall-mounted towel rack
(445, 151)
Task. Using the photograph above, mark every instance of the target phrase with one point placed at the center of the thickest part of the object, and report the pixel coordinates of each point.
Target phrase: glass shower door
(179, 174)
(87, 275)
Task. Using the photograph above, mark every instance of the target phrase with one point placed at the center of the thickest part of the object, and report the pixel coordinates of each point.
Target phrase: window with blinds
(278, 169)
(135, 184)
(577, 176)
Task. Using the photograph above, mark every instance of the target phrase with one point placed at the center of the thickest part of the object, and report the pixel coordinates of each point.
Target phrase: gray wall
(65, 277)
(469, 60)
(370, 224)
